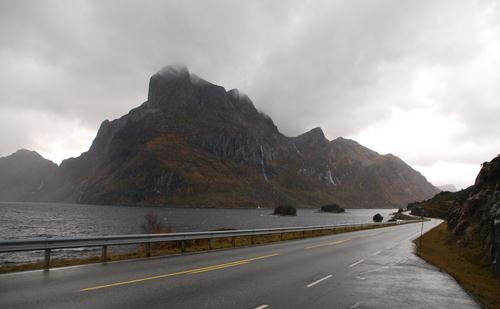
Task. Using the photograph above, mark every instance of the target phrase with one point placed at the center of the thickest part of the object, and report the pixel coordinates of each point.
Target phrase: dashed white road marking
(356, 305)
(318, 281)
(262, 307)
(377, 253)
(356, 263)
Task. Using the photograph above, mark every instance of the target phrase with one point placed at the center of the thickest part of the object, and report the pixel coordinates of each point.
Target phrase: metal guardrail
(48, 244)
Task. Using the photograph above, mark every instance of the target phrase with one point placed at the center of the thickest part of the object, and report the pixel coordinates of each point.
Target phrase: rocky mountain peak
(169, 78)
(26, 155)
(175, 93)
(489, 175)
(23, 174)
(176, 89)
(316, 133)
(173, 71)
(312, 137)
(25, 152)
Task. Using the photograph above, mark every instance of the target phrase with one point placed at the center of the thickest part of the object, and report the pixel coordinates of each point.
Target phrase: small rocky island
(285, 210)
(332, 208)
(378, 218)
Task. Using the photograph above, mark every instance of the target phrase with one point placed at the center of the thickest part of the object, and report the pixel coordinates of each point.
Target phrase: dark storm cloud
(348, 66)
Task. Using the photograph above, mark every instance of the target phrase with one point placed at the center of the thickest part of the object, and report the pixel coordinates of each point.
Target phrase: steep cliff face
(193, 143)
(23, 175)
(481, 210)
(473, 210)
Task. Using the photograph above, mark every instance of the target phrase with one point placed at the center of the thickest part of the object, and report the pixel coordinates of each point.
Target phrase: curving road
(365, 269)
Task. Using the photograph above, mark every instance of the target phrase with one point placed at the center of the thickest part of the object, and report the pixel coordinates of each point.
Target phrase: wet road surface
(366, 269)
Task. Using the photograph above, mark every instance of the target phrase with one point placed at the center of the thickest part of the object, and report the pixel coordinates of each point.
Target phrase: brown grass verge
(466, 263)
(168, 248)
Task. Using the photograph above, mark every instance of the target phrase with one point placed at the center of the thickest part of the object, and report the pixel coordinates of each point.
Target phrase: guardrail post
(281, 236)
(104, 253)
(233, 241)
(46, 263)
(148, 249)
(210, 244)
(252, 240)
(183, 246)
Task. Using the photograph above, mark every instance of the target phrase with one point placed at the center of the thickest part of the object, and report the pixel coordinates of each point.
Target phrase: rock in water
(378, 218)
(334, 208)
(285, 210)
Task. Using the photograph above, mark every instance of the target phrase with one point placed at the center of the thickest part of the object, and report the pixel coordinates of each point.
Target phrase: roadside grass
(169, 248)
(466, 263)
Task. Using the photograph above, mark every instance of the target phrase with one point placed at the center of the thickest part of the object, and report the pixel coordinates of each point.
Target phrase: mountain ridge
(192, 143)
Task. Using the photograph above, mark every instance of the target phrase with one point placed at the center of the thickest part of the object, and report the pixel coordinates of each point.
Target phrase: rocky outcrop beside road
(473, 211)
(481, 211)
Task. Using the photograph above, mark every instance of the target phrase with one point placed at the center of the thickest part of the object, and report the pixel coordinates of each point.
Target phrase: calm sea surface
(35, 220)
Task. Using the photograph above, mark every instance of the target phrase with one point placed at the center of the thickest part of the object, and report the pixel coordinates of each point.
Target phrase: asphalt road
(365, 269)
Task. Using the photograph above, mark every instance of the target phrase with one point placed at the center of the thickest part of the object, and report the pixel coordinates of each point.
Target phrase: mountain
(23, 175)
(192, 143)
(448, 187)
(472, 211)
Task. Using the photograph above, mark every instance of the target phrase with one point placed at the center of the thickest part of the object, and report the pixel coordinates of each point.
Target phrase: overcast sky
(419, 79)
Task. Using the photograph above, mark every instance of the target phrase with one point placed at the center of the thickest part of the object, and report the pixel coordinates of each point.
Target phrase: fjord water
(35, 220)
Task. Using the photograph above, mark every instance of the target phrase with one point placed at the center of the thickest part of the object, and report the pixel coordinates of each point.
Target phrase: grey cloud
(343, 65)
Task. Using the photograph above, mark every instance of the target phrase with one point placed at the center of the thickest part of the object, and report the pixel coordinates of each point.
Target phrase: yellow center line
(329, 243)
(262, 257)
(208, 268)
(184, 272)
(218, 267)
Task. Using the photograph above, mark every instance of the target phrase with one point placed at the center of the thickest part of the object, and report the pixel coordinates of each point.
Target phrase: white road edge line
(356, 263)
(262, 307)
(318, 281)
